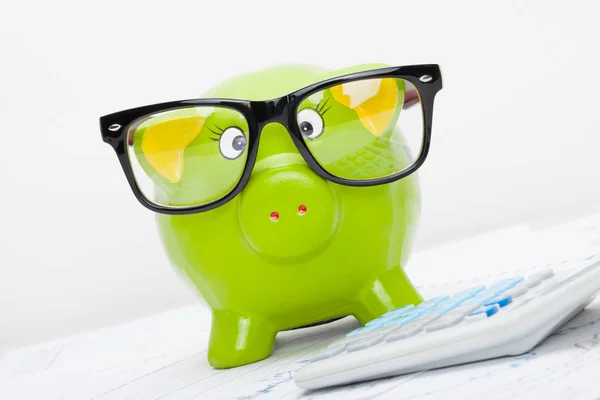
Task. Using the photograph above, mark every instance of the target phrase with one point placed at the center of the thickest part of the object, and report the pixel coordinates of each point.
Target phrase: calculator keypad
(467, 306)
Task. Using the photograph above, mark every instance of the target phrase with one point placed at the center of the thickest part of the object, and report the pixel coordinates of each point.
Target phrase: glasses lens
(364, 129)
(188, 156)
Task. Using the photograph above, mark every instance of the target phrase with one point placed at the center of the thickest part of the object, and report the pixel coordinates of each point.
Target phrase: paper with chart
(164, 357)
(134, 367)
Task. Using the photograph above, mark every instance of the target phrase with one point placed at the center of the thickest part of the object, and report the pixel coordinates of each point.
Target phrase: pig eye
(232, 143)
(310, 123)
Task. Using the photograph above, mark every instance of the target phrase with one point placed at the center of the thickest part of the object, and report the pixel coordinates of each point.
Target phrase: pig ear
(376, 101)
(163, 144)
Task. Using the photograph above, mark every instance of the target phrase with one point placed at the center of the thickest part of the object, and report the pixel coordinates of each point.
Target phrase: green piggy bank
(291, 249)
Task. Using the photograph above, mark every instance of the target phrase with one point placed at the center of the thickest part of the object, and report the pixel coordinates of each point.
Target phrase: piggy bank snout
(288, 212)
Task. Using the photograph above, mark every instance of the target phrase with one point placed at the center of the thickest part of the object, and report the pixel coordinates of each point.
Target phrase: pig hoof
(237, 340)
(389, 291)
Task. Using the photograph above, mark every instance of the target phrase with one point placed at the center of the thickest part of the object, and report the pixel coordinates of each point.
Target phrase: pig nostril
(274, 216)
(302, 209)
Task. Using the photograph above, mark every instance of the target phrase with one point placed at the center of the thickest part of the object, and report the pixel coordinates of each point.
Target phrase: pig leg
(237, 339)
(389, 291)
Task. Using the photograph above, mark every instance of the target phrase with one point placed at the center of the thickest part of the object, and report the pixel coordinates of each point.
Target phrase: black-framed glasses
(362, 129)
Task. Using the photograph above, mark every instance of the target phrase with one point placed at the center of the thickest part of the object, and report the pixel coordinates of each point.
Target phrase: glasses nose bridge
(276, 146)
(276, 110)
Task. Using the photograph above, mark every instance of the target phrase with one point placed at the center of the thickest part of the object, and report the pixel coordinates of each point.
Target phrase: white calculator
(506, 318)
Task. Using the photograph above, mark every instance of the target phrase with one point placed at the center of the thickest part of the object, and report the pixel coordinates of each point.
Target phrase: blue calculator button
(447, 307)
(366, 328)
(429, 311)
(432, 302)
(411, 313)
(462, 297)
(504, 285)
(354, 332)
(448, 301)
(482, 298)
(401, 321)
(441, 309)
(398, 312)
(468, 293)
(501, 301)
(372, 327)
(488, 310)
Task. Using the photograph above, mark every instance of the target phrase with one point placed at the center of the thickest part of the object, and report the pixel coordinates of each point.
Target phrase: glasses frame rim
(426, 78)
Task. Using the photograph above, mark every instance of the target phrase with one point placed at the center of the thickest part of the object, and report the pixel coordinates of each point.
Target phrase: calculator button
(518, 303)
(545, 287)
(542, 275)
(487, 310)
(444, 309)
(516, 291)
(549, 287)
(441, 309)
(401, 321)
(501, 301)
(468, 293)
(403, 333)
(475, 317)
(361, 336)
(462, 297)
(529, 283)
(364, 343)
(361, 332)
(398, 312)
(376, 323)
(444, 323)
(432, 302)
(429, 311)
(327, 353)
(364, 329)
(424, 320)
(354, 332)
(589, 260)
(482, 297)
(464, 310)
(504, 285)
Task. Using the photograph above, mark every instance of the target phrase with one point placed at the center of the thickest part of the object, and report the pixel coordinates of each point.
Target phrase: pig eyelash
(218, 131)
(321, 107)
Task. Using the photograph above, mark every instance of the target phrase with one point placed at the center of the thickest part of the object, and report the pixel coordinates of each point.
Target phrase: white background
(515, 136)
